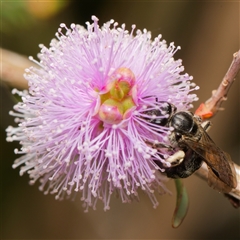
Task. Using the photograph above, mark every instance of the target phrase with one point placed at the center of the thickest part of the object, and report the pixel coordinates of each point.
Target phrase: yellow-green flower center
(118, 99)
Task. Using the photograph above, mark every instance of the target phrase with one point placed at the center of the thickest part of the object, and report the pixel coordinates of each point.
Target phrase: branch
(213, 105)
(209, 109)
(12, 68)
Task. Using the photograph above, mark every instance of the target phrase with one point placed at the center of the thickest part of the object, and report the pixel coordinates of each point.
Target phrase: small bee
(190, 136)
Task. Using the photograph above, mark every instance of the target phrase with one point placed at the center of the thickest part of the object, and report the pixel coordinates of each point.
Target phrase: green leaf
(181, 204)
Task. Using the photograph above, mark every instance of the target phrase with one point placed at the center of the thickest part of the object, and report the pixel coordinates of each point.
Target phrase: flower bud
(127, 103)
(123, 80)
(125, 75)
(117, 92)
(111, 111)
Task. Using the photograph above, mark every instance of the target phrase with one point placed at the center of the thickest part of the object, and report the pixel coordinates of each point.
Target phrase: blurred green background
(208, 33)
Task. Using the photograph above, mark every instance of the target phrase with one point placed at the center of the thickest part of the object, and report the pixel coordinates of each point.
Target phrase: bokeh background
(208, 33)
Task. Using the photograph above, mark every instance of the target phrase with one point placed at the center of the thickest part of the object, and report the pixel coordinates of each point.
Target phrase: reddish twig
(213, 105)
(209, 109)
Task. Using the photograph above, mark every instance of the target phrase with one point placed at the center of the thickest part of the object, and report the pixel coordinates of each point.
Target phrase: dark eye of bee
(183, 123)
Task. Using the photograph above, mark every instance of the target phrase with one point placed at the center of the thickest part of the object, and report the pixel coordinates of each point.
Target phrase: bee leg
(176, 158)
(158, 145)
(206, 125)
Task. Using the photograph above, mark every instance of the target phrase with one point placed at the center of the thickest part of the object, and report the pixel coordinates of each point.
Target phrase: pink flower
(81, 123)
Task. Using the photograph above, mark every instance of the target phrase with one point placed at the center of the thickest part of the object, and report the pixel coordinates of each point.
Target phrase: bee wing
(216, 183)
(219, 163)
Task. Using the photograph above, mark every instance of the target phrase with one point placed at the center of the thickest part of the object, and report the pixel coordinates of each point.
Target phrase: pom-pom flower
(81, 124)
